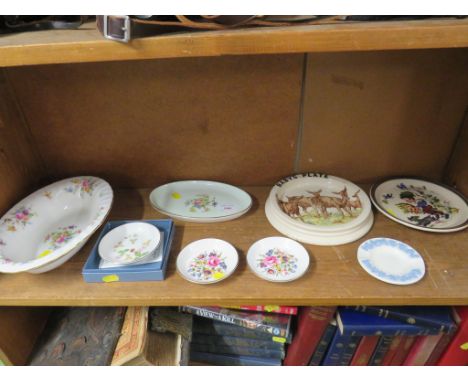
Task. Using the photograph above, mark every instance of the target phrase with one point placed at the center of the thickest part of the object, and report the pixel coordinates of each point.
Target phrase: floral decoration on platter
(61, 236)
(208, 266)
(130, 248)
(201, 203)
(277, 263)
(422, 206)
(83, 185)
(317, 209)
(21, 217)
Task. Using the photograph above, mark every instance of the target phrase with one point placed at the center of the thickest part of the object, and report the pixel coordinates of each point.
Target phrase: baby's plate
(129, 243)
(421, 204)
(207, 261)
(278, 259)
(200, 201)
(391, 261)
(49, 226)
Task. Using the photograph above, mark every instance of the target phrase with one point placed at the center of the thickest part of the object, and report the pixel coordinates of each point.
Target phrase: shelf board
(334, 278)
(87, 45)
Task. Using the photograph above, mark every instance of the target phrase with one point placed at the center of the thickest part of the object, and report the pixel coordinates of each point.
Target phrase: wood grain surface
(87, 45)
(334, 278)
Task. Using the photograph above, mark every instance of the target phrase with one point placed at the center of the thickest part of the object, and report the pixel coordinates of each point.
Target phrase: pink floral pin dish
(129, 243)
(207, 261)
(278, 259)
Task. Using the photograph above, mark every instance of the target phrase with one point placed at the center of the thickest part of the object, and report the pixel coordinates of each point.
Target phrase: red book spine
(291, 310)
(312, 322)
(421, 350)
(403, 351)
(395, 346)
(439, 349)
(364, 350)
(456, 353)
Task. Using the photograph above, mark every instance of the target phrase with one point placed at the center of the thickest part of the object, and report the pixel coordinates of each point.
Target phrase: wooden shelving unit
(334, 278)
(87, 45)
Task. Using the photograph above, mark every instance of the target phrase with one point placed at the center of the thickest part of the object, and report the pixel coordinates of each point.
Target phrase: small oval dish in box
(129, 243)
(278, 259)
(48, 227)
(207, 261)
(391, 261)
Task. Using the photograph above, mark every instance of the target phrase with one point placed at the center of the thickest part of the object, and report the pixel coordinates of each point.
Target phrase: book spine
(236, 341)
(439, 349)
(403, 351)
(238, 350)
(421, 350)
(231, 319)
(291, 310)
(364, 351)
(311, 326)
(341, 350)
(392, 350)
(380, 351)
(432, 324)
(232, 360)
(456, 353)
(323, 345)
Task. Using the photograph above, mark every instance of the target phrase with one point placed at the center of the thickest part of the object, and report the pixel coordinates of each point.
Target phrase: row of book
(380, 336)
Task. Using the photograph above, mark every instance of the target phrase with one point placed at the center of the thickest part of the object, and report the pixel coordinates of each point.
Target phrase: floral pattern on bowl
(61, 236)
(277, 262)
(83, 185)
(201, 203)
(130, 250)
(21, 217)
(208, 266)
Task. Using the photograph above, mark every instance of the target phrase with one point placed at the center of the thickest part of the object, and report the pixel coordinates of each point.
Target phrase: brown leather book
(79, 337)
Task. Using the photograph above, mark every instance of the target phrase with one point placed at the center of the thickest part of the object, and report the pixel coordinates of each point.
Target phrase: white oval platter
(278, 259)
(420, 204)
(320, 203)
(49, 226)
(129, 243)
(391, 261)
(207, 261)
(200, 201)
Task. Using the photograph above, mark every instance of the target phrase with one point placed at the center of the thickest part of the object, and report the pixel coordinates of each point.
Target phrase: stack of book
(244, 336)
(365, 335)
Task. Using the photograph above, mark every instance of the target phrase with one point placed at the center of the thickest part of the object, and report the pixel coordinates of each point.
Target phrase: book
(199, 338)
(312, 322)
(364, 350)
(456, 353)
(439, 349)
(433, 317)
(211, 327)
(232, 360)
(341, 350)
(393, 349)
(354, 322)
(277, 325)
(292, 310)
(380, 351)
(79, 337)
(323, 345)
(403, 350)
(133, 337)
(422, 349)
(238, 350)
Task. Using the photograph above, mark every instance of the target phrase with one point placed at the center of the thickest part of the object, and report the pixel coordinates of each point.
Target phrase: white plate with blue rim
(391, 261)
(200, 201)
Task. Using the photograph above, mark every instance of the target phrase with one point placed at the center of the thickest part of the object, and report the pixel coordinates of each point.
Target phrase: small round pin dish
(278, 259)
(129, 243)
(391, 261)
(207, 261)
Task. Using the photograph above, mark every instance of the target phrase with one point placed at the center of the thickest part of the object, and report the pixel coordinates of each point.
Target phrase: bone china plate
(49, 226)
(129, 243)
(421, 204)
(207, 261)
(391, 261)
(278, 259)
(200, 201)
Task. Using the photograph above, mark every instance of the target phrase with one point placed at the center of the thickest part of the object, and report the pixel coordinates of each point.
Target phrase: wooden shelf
(335, 277)
(87, 45)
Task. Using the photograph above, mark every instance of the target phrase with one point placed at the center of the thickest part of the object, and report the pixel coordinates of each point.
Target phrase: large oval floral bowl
(48, 227)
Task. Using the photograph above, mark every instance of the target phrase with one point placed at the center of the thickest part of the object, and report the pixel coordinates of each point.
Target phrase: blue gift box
(143, 272)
